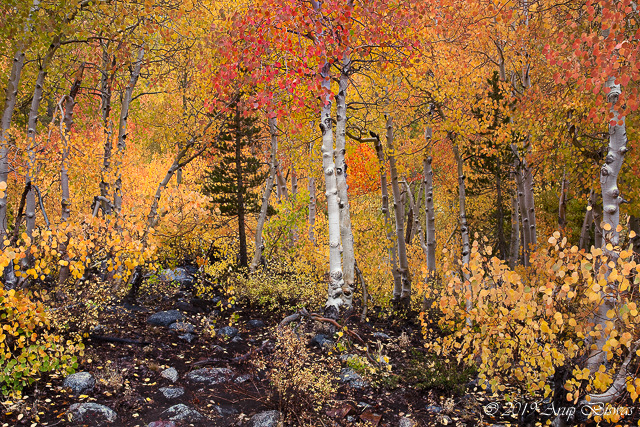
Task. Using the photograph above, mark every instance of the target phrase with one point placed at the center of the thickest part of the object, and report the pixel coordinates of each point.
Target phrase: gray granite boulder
(351, 377)
(228, 331)
(210, 376)
(181, 327)
(171, 374)
(172, 392)
(164, 318)
(182, 412)
(266, 419)
(80, 382)
(91, 412)
(406, 422)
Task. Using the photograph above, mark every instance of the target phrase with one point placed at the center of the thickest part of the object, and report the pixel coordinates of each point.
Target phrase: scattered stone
(255, 324)
(89, 411)
(242, 378)
(224, 411)
(228, 331)
(434, 409)
(171, 374)
(80, 382)
(165, 318)
(216, 300)
(346, 357)
(172, 392)
(381, 335)
(266, 419)
(348, 375)
(182, 327)
(322, 341)
(187, 337)
(179, 275)
(162, 424)
(210, 376)
(236, 339)
(217, 348)
(181, 412)
(407, 422)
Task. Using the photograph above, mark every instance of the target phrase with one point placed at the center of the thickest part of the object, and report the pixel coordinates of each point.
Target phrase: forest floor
(134, 381)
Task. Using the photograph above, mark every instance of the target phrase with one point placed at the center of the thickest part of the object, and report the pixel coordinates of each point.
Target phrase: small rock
(224, 411)
(216, 300)
(171, 374)
(89, 411)
(236, 339)
(266, 419)
(162, 424)
(348, 375)
(210, 376)
(322, 341)
(184, 306)
(255, 324)
(217, 348)
(406, 422)
(187, 337)
(182, 327)
(242, 378)
(434, 408)
(381, 335)
(346, 357)
(228, 331)
(80, 382)
(172, 392)
(181, 412)
(165, 318)
(179, 275)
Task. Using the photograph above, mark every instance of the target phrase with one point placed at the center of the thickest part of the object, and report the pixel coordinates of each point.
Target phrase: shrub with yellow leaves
(28, 347)
(524, 325)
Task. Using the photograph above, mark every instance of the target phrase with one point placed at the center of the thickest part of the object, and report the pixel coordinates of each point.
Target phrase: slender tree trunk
(515, 232)
(106, 82)
(530, 203)
(11, 95)
(65, 134)
(336, 297)
(122, 128)
(562, 204)
(240, 186)
(429, 213)
(597, 220)
(397, 281)
(585, 237)
(524, 213)
(346, 235)
(401, 296)
(464, 229)
(312, 209)
(634, 225)
(282, 191)
(273, 167)
(415, 219)
(294, 195)
(611, 201)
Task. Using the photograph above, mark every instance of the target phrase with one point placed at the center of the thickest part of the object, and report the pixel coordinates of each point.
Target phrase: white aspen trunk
(397, 281)
(336, 297)
(273, 167)
(530, 203)
(346, 235)
(31, 136)
(106, 81)
(464, 229)
(429, 211)
(294, 195)
(588, 220)
(312, 209)
(11, 95)
(401, 296)
(122, 129)
(515, 232)
(611, 201)
(282, 190)
(416, 218)
(524, 213)
(69, 104)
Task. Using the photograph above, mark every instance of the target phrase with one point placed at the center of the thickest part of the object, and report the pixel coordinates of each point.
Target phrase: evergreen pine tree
(233, 181)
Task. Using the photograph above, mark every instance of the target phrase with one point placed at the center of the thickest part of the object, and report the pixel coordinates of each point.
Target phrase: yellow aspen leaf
(606, 227)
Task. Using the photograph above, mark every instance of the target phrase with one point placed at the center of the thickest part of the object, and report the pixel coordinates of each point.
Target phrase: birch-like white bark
(464, 229)
(312, 209)
(611, 201)
(429, 211)
(416, 218)
(346, 235)
(397, 281)
(530, 203)
(524, 213)
(11, 95)
(273, 168)
(106, 81)
(515, 232)
(401, 296)
(122, 128)
(294, 196)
